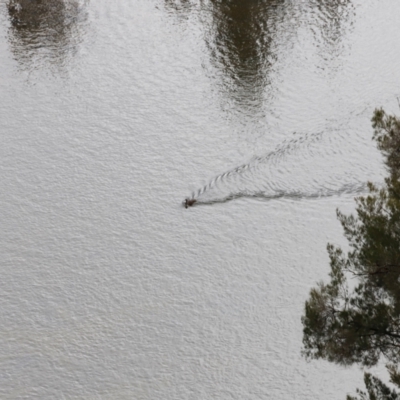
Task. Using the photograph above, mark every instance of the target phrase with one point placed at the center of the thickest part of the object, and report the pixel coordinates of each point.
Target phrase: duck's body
(189, 202)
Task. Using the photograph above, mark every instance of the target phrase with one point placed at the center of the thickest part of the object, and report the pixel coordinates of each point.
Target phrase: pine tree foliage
(362, 323)
(376, 390)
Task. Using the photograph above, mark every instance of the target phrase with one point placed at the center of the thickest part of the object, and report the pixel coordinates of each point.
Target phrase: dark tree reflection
(240, 38)
(247, 38)
(331, 20)
(180, 6)
(45, 31)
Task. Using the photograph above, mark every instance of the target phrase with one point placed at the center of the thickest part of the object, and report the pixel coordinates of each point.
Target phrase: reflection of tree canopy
(331, 20)
(44, 29)
(178, 5)
(240, 43)
(246, 38)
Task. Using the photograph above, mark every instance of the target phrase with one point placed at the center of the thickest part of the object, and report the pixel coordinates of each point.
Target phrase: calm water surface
(111, 114)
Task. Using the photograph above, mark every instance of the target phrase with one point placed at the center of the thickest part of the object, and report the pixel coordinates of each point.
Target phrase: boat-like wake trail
(305, 167)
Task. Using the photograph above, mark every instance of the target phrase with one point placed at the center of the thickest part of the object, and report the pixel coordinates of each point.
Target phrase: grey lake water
(111, 114)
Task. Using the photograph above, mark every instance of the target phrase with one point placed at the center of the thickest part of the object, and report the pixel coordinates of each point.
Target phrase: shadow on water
(45, 33)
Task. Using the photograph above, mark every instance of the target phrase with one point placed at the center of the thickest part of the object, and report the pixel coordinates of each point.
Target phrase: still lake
(111, 114)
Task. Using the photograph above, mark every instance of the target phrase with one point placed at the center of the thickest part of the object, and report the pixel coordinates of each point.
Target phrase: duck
(189, 202)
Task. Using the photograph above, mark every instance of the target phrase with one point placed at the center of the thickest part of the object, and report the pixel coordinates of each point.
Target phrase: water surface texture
(111, 114)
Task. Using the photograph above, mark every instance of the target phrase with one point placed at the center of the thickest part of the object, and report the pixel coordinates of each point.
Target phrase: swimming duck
(189, 202)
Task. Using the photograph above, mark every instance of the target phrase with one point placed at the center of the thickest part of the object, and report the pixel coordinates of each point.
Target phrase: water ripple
(312, 165)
